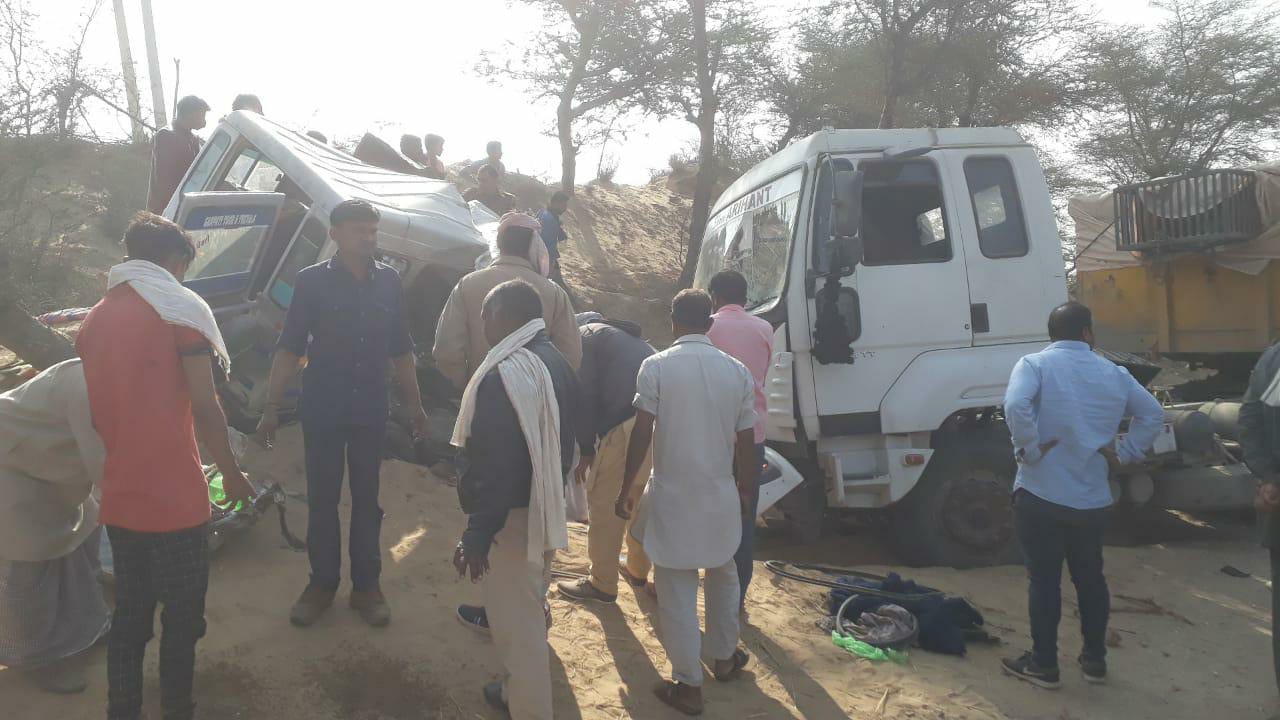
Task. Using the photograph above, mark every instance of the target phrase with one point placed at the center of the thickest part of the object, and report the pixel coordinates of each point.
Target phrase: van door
(230, 230)
(1010, 294)
(909, 295)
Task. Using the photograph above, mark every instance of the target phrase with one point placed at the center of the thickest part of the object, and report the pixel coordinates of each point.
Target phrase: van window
(226, 240)
(305, 252)
(996, 208)
(903, 218)
(250, 172)
(208, 162)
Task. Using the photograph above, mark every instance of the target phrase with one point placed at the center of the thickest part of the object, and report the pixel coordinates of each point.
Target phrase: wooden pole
(126, 66)
(153, 66)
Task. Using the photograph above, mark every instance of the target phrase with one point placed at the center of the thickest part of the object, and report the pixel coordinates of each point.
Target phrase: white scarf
(175, 303)
(532, 394)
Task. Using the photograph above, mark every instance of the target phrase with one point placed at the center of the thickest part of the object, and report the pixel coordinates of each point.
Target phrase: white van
(257, 201)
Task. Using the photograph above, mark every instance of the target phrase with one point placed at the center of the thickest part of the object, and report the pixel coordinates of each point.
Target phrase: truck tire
(960, 514)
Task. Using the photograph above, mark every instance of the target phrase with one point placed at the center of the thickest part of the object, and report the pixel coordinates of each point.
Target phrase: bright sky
(389, 66)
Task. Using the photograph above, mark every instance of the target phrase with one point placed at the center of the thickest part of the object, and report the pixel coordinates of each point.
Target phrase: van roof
(853, 141)
(429, 213)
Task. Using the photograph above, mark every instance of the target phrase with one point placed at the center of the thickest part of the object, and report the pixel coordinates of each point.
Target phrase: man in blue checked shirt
(1064, 406)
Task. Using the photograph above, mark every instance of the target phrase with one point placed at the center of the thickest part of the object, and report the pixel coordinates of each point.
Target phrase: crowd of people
(671, 445)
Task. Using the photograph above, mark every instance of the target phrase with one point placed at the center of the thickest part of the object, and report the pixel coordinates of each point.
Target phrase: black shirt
(349, 331)
(611, 357)
(497, 472)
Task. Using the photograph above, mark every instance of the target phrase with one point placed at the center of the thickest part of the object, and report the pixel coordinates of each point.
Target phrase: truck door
(908, 296)
(1009, 270)
(230, 230)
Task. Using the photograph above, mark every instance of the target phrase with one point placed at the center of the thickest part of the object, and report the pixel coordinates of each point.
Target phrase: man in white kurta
(697, 405)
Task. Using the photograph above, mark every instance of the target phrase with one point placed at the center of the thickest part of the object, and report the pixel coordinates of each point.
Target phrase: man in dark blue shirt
(553, 232)
(348, 318)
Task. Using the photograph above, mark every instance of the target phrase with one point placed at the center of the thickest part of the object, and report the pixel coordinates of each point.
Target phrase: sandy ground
(1190, 642)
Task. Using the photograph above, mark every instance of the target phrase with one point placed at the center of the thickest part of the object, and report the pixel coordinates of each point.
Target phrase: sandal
(738, 660)
(632, 580)
(670, 693)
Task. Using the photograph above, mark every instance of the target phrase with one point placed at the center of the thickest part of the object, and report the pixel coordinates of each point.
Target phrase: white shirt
(691, 516)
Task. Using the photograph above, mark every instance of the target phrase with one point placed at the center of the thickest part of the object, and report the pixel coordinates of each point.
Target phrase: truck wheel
(960, 513)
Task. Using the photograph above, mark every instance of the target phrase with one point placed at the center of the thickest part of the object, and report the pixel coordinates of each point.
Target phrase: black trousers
(1050, 534)
(170, 569)
(328, 449)
(745, 556)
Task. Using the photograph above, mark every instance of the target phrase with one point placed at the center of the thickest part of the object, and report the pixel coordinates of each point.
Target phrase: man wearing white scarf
(517, 440)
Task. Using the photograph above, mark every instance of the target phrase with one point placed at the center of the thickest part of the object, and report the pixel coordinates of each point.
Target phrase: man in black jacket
(612, 352)
(506, 494)
(1260, 441)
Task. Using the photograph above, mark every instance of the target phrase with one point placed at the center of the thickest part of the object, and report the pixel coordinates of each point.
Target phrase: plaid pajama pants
(170, 569)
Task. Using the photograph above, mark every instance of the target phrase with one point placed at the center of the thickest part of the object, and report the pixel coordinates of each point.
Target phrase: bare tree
(597, 60)
(725, 52)
(1196, 91)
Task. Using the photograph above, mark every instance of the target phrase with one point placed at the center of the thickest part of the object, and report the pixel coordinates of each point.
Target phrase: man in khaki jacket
(460, 343)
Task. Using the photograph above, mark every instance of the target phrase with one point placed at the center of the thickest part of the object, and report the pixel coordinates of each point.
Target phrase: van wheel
(960, 514)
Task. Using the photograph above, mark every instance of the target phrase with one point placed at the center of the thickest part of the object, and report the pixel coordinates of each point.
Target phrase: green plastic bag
(217, 495)
(856, 647)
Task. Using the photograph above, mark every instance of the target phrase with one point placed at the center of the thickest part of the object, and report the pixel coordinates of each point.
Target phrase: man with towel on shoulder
(149, 347)
(51, 605)
(517, 439)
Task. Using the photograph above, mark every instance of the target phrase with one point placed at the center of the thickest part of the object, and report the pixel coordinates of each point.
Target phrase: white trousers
(514, 591)
(687, 648)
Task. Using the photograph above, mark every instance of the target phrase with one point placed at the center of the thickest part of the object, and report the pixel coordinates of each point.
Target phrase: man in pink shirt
(749, 340)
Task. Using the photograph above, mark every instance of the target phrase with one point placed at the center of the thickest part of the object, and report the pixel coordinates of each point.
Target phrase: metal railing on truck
(1196, 211)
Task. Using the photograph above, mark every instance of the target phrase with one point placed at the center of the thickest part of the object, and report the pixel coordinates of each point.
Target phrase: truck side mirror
(846, 221)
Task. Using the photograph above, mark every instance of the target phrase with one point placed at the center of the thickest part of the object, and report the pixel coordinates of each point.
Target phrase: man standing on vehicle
(516, 429)
(612, 353)
(1064, 406)
(348, 318)
(148, 350)
(1260, 441)
(173, 150)
(461, 343)
(701, 403)
(749, 340)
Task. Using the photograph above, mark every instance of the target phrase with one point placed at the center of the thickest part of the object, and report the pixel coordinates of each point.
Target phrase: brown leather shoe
(582, 590)
(310, 606)
(372, 606)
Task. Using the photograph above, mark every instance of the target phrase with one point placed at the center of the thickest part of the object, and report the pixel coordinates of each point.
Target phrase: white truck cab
(257, 201)
(905, 272)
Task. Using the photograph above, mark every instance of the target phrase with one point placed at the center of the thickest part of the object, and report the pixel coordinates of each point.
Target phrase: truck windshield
(753, 236)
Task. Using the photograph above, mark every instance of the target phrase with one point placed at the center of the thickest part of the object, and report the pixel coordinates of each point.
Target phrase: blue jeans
(327, 446)
(747, 548)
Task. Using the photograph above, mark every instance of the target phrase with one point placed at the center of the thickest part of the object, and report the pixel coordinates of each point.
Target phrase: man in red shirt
(173, 151)
(149, 374)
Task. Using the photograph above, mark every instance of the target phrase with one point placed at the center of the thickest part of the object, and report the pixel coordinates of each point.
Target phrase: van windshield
(753, 236)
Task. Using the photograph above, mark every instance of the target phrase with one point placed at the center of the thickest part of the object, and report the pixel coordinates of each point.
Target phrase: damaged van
(257, 202)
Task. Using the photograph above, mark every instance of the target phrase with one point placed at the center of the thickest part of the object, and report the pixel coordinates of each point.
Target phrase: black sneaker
(1025, 668)
(1095, 671)
(474, 617)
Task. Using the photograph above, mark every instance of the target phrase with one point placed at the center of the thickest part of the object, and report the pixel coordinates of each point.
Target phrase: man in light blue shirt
(1064, 406)
(553, 233)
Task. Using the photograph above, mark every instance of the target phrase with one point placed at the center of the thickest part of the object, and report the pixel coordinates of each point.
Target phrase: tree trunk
(703, 185)
(568, 151)
(706, 122)
(892, 83)
(30, 339)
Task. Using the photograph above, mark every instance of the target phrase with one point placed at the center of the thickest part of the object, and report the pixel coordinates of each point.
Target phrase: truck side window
(208, 162)
(250, 172)
(996, 208)
(903, 219)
